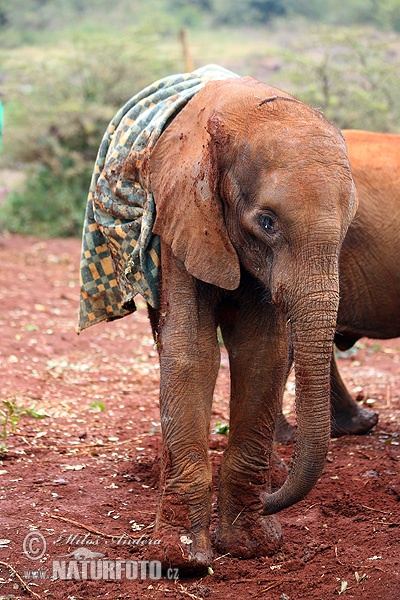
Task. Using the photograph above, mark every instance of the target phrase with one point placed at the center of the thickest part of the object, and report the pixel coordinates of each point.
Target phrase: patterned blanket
(120, 254)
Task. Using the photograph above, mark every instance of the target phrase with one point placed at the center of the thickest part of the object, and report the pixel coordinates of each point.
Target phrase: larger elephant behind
(369, 270)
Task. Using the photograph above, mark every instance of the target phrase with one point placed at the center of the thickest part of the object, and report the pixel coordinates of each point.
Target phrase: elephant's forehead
(303, 195)
(300, 181)
(287, 159)
(301, 142)
(311, 179)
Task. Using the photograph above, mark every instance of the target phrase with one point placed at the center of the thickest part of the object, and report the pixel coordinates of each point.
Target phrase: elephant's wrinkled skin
(254, 196)
(369, 268)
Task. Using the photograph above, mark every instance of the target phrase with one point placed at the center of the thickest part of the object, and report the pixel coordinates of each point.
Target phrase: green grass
(10, 415)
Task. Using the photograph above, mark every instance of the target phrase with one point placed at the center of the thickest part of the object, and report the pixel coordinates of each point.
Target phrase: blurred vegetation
(57, 107)
(66, 67)
(352, 77)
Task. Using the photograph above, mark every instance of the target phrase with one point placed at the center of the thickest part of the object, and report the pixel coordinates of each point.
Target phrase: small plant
(219, 337)
(10, 414)
(222, 428)
(97, 406)
(375, 348)
(34, 413)
(8, 418)
(3, 450)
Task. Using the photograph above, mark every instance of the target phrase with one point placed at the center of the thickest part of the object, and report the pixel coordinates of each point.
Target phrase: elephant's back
(370, 150)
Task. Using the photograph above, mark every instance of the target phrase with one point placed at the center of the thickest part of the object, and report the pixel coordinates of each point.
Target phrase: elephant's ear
(184, 181)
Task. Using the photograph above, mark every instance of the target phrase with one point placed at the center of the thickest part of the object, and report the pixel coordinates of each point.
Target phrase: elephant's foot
(284, 432)
(348, 417)
(181, 540)
(355, 420)
(350, 420)
(249, 536)
(183, 549)
(244, 531)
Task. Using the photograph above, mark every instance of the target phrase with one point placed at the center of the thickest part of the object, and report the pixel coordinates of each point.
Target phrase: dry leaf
(343, 587)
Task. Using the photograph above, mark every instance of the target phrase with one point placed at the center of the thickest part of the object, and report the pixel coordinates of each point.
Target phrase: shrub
(351, 75)
(58, 109)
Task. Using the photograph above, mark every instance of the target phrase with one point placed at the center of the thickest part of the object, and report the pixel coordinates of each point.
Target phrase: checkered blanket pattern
(120, 254)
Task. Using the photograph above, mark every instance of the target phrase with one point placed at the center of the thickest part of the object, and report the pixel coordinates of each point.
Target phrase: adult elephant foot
(348, 417)
(178, 541)
(248, 535)
(356, 421)
(185, 550)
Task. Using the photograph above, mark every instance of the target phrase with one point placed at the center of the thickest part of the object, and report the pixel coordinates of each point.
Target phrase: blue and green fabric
(120, 254)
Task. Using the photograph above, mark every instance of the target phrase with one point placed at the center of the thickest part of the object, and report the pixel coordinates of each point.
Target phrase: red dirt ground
(86, 478)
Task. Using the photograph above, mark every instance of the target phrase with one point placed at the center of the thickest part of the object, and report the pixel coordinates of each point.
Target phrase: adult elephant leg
(284, 431)
(348, 417)
(189, 363)
(256, 340)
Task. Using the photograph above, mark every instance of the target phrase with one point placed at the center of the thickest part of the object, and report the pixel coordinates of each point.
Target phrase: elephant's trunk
(313, 321)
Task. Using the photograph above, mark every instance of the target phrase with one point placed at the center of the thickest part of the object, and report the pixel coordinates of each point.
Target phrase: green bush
(58, 107)
(239, 12)
(50, 206)
(351, 75)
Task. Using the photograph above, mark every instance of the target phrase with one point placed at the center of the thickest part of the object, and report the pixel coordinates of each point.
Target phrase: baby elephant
(254, 196)
(369, 269)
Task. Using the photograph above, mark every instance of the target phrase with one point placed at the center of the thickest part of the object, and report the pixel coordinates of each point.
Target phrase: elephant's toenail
(185, 539)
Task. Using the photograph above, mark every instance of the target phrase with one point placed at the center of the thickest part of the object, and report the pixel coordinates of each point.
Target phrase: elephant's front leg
(258, 350)
(189, 363)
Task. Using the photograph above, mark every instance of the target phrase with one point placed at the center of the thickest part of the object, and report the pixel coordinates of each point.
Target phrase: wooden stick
(385, 512)
(82, 526)
(187, 57)
(266, 589)
(22, 582)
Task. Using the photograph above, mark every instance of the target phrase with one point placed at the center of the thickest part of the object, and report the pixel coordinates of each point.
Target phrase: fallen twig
(388, 523)
(82, 526)
(222, 556)
(266, 589)
(312, 506)
(337, 558)
(22, 582)
(385, 512)
(237, 516)
(388, 397)
(92, 529)
(365, 455)
(264, 580)
(89, 445)
(182, 590)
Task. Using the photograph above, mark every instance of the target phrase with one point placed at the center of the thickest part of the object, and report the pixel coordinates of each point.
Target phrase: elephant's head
(248, 177)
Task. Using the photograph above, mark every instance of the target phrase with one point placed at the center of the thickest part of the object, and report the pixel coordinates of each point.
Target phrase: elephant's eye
(268, 223)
